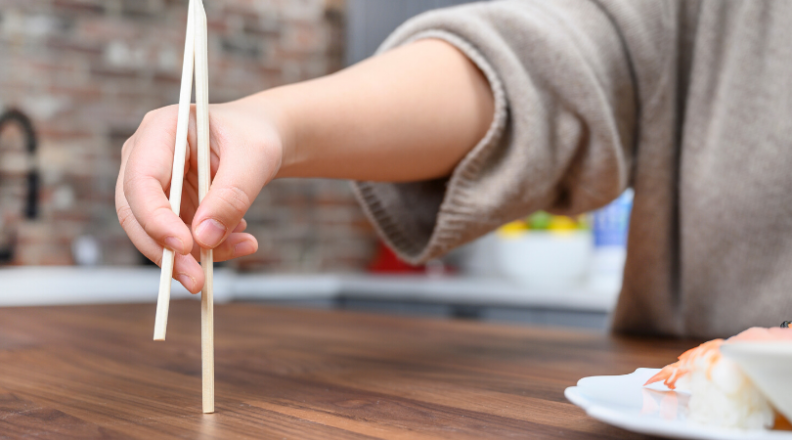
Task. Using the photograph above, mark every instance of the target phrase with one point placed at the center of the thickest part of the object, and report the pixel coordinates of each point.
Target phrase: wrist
(279, 106)
(266, 117)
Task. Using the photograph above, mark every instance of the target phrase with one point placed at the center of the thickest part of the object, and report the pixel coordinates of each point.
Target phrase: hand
(407, 115)
(246, 151)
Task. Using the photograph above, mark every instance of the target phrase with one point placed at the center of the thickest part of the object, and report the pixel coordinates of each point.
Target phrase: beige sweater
(690, 103)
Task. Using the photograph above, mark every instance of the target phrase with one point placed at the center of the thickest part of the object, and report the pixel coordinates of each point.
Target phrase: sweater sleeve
(566, 123)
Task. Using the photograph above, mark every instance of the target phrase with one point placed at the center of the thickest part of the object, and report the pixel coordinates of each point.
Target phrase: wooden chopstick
(204, 181)
(195, 60)
(177, 177)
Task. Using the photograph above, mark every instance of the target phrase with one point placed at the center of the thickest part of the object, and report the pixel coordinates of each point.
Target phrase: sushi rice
(720, 393)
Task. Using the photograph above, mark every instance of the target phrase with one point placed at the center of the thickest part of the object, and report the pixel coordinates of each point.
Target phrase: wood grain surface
(84, 372)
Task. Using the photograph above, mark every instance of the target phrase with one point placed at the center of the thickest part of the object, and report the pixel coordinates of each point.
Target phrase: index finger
(147, 176)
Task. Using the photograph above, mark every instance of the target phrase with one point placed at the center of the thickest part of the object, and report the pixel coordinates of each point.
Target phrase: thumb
(240, 177)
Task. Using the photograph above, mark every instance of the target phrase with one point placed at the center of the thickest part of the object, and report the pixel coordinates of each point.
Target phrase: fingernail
(175, 244)
(186, 280)
(244, 248)
(210, 232)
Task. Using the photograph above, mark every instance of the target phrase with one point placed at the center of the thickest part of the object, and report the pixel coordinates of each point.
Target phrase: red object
(386, 261)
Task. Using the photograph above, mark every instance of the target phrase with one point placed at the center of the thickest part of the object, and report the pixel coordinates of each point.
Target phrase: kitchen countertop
(94, 372)
(61, 285)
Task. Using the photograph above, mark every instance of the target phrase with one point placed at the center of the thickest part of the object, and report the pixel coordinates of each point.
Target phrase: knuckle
(127, 147)
(151, 114)
(159, 216)
(156, 259)
(235, 199)
(129, 184)
(125, 216)
(133, 181)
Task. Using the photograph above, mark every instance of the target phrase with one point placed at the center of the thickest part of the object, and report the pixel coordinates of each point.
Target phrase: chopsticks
(177, 176)
(204, 181)
(195, 58)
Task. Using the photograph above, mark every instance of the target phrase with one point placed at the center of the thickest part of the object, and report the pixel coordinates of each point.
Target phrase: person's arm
(409, 114)
(572, 88)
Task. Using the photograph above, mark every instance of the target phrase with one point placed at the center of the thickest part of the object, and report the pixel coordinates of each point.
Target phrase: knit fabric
(688, 102)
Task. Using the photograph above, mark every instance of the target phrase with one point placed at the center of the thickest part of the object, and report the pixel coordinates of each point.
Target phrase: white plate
(624, 402)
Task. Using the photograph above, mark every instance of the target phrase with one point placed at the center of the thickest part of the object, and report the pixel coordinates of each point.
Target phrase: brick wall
(86, 71)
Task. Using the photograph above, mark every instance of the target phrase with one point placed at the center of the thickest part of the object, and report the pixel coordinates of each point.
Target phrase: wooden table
(87, 372)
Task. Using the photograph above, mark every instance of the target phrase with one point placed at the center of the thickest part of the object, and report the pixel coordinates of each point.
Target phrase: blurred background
(76, 78)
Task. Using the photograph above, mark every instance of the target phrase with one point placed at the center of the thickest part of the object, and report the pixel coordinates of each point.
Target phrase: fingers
(145, 212)
(242, 172)
(237, 245)
(143, 177)
(147, 174)
(188, 272)
(186, 269)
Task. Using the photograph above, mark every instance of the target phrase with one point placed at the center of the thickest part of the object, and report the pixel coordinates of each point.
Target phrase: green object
(539, 221)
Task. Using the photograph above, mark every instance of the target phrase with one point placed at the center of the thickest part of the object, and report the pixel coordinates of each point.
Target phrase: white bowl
(769, 365)
(546, 259)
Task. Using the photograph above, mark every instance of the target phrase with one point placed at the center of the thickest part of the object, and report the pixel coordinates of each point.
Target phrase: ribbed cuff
(411, 238)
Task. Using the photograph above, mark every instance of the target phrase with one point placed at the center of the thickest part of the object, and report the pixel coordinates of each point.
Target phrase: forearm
(410, 114)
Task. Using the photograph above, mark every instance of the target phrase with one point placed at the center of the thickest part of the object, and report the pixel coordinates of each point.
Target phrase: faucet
(30, 212)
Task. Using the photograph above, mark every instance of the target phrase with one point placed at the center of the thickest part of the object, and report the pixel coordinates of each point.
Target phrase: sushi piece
(720, 393)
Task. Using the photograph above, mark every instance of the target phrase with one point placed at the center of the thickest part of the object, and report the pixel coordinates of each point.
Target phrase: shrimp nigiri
(720, 394)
